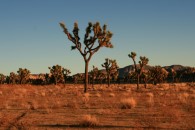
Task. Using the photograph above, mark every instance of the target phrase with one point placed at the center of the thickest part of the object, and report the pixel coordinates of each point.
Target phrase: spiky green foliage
(2, 78)
(158, 74)
(23, 75)
(57, 73)
(111, 69)
(143, 61)
(13, 78)
(94, 33)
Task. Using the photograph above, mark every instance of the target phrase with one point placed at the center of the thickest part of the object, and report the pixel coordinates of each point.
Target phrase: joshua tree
(101, 76)
(12, 78)
(94, 74)
(23, 75)
(66, 73)
(143, 61)
(2, 78)
(101, 35)
(146, 76)
(111, 69)
(57, 73)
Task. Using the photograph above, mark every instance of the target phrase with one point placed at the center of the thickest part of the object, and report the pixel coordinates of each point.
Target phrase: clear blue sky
(30, 35)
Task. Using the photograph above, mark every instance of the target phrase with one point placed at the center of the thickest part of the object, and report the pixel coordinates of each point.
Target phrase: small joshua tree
(101, 76)
(12, 78)
(94, 74)
(2, 78)
(23, 75)
(66, 73)
(57, 73)
(146, 76)
(143, 61)
(100, 35)
(111, 69)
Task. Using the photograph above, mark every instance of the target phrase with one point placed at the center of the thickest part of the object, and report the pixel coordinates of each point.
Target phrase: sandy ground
(165, 106)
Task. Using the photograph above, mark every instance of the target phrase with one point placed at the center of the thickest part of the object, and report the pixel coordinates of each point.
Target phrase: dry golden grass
(165, 106)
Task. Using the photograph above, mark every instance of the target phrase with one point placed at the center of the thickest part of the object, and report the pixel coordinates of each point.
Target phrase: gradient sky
(30, 35)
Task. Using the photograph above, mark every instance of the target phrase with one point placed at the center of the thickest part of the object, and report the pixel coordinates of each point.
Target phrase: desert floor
(164, 106)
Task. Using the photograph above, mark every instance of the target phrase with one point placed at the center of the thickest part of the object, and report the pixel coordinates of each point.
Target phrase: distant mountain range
(125, 70)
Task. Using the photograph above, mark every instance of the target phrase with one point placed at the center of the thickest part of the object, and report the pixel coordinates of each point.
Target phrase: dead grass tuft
(128, 103)
(112, 95)
(183, 97)
(89, 121)
(86, 98)
(98, 95)
(1, 93)
(150, 99)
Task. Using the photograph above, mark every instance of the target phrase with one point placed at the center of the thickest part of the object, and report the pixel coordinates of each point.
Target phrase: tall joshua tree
(143, 61)
(111, 69)
(100, 36)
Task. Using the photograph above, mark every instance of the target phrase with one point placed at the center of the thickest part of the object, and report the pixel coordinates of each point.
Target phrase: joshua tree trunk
(145, 85)
(56, 82)
(93, 83)
(86, 76)
(138, 77)
(21, 81)
(108, 80)
(173, 79)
